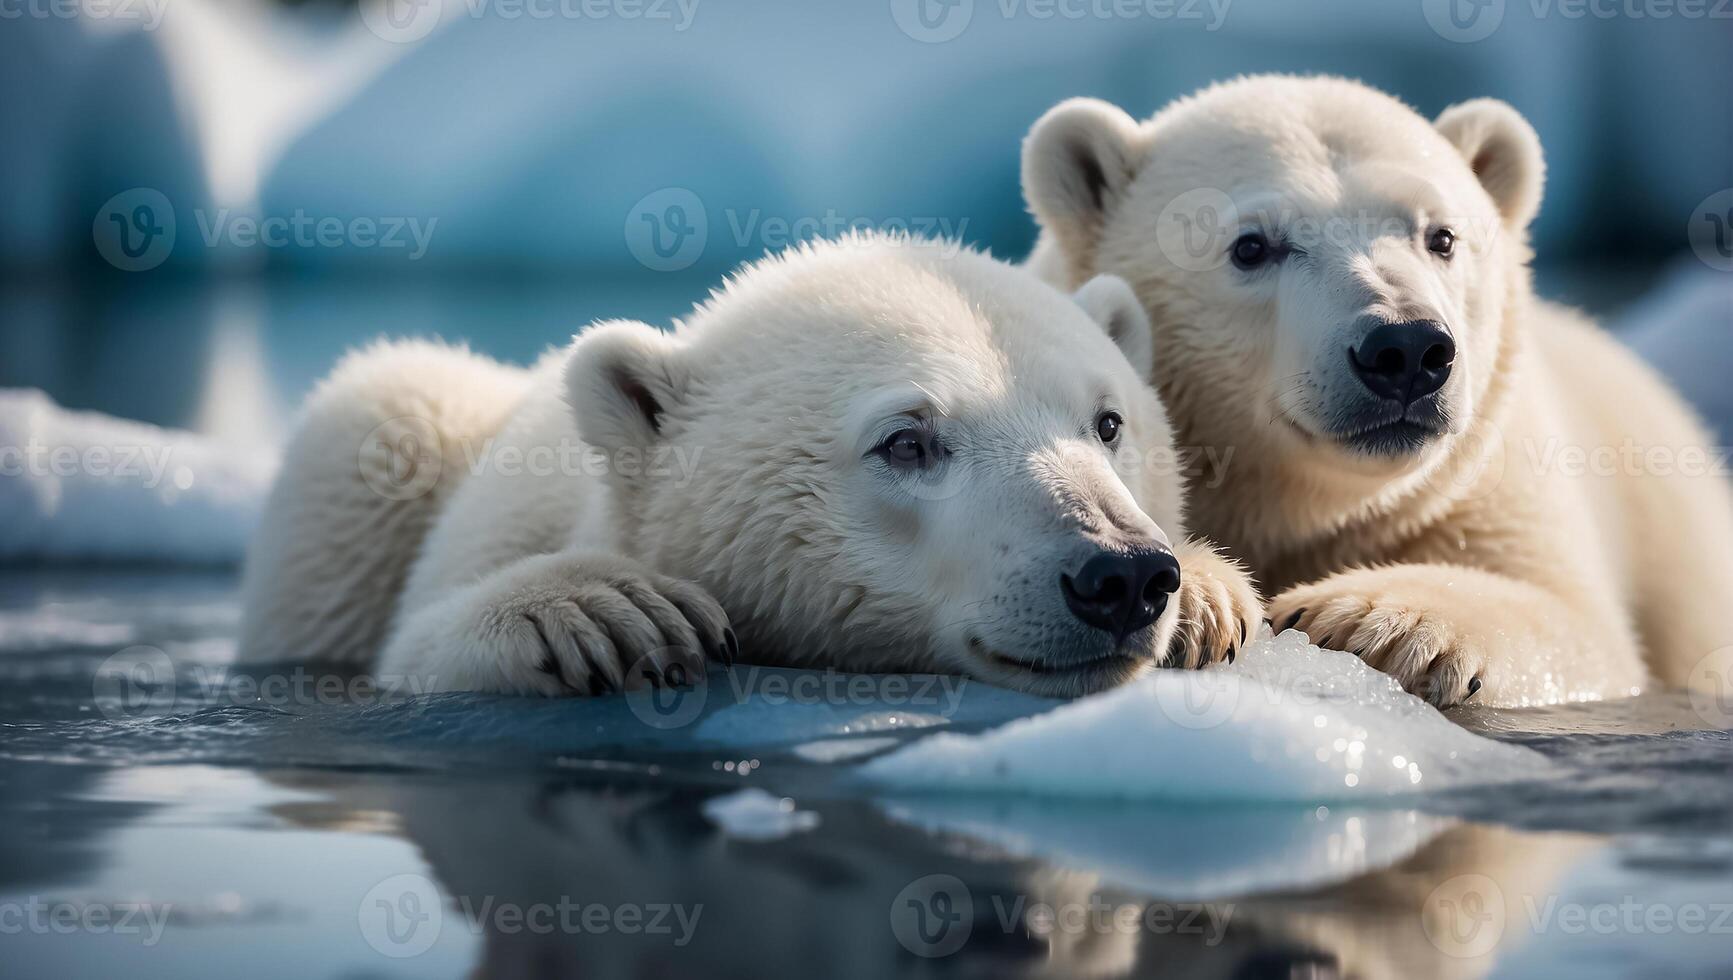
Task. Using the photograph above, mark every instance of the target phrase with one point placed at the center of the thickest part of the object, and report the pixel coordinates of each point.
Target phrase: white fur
(728, 477)
(1477, 560)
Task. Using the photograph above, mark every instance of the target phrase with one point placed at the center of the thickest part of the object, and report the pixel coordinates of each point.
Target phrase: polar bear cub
(1340, 291)
(874, 454)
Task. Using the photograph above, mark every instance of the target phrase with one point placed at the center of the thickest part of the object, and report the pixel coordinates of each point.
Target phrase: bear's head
(1330, 277)
(899, 455)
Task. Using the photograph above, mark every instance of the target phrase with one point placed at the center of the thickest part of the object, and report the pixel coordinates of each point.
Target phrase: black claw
(733, 643)
(1473, 687)
(1234, 651)
(550, 666)
(1291, 621)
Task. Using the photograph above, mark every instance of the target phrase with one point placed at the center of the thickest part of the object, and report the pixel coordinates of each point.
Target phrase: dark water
(219, 826)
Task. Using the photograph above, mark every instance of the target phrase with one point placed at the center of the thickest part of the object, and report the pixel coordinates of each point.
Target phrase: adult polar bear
(901, 458)
(1340, 293)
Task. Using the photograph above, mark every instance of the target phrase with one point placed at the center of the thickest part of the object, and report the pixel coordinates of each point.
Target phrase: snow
(1288, 722)
(82, 486)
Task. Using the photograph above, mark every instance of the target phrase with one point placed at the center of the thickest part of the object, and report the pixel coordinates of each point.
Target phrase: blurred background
(206, 202)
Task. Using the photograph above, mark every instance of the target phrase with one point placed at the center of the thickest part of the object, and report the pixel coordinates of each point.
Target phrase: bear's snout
(1404, 362)
(1122, 591)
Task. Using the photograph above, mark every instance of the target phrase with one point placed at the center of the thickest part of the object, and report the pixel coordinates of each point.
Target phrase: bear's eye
(1107, 427)
(1442, 242)
(905, 447)
(1251, 250)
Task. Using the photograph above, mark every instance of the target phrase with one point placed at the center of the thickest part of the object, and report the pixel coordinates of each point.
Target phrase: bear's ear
(1110, 302)
(1077, 161)
(622, 377)
(1504, 153)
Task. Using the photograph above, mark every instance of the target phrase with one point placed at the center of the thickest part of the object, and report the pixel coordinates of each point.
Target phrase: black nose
(1122, 592)
(1405, 361)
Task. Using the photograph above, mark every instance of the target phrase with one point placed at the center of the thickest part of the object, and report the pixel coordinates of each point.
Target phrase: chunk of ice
(91, 487)
(1288, 722)
(753, 814)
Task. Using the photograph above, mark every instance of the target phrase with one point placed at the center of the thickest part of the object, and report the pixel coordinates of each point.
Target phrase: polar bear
(868, 455)
(1475, 490)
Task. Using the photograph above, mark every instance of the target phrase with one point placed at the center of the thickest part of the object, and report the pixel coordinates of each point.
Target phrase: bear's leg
(1218, 608)
(1448, 633)
(559, 624)
(378, 448)
(1680, 535)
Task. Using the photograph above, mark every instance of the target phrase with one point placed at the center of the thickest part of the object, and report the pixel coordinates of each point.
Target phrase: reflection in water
(539, 876)
(863, 895)
(451, 834)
